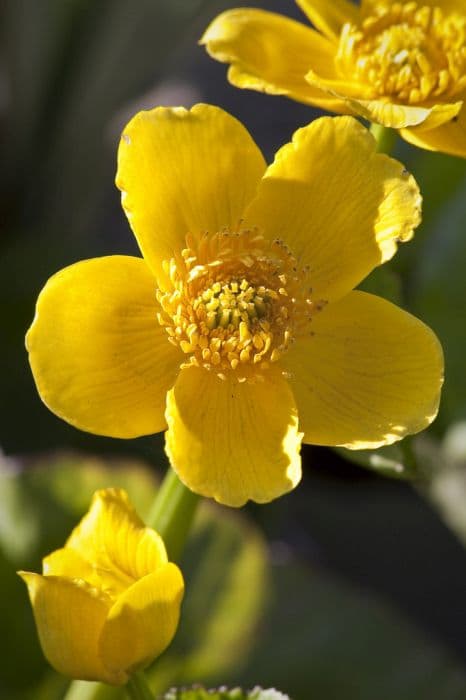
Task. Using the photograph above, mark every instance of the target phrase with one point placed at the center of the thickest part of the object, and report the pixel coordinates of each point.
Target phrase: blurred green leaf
(446, 487)
(386, 461)
(224, 694)
(440, 177)
(41, 503)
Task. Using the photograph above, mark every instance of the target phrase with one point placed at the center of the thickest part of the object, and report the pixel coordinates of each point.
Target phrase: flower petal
(447, 138)
(271, 53)
(70, 616)
(233, 441)
(68, 562)
(382, 111)
(369, 374)
(100, 359)
(143, 621)
(339, 205)
(184, 172)
(330, 17)
(113, 538)
(397, 116)
(340, 87)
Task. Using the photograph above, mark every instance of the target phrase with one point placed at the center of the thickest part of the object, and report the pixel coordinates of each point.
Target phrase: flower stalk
(172, 513)
(86, 690)
(137, 687)
(385, 137)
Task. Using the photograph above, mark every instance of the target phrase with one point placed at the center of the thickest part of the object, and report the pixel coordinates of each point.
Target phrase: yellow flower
(239, 329)
(400, 64)
(109, 602)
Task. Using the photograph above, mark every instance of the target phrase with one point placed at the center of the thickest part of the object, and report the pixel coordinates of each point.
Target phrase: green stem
(172, 513)
(85, 690)
(385, 137)
(137, 687)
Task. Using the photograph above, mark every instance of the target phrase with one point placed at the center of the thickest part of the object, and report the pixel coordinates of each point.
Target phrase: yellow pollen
(235, 302)
(406, 51)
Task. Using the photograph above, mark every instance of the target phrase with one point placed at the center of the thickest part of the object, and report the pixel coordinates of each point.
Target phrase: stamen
(236, 302)
(406, 52)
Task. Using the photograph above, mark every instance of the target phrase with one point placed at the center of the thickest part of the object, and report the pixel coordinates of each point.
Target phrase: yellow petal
(240, 78)
(340, 88)
(271, 53)
(100, 359)
(143, 621)
(184, 172)
(70, 616)
(330, 16)
(233, 441)
(397, 116)
(339, 205)
(68, 563)
(448, 138)
(369, 375)
(113, 538)
(383, 111)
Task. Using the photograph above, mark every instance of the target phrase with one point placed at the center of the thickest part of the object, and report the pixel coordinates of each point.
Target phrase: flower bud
(109, 601)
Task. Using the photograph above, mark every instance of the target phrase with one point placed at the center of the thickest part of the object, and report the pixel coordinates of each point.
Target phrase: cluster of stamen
(406, 51)
(235, 302)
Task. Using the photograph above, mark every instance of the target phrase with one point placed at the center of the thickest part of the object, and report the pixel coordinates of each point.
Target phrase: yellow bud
(108, 602)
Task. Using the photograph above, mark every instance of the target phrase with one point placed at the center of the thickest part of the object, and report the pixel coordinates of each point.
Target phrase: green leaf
(223, 693)
(446, 487)
(42, 503)
(386, 461)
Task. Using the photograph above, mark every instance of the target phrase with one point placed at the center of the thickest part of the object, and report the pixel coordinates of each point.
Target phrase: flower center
(406, 51)
(235, 302)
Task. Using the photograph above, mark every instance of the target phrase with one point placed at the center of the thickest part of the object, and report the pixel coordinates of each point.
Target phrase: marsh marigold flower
(400, 64)
(107, 603)
(239, 329)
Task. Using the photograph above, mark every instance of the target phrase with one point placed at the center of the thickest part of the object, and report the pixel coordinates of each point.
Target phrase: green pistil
(233, 302)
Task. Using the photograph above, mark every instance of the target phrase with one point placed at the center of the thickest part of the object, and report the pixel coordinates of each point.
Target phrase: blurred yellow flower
(239, 330)
(400, 64)
(109, 602)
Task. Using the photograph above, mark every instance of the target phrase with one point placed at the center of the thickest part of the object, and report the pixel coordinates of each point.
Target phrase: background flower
(402, 65)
